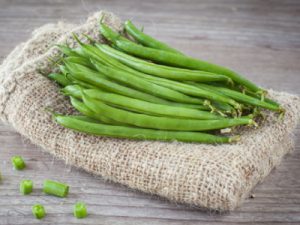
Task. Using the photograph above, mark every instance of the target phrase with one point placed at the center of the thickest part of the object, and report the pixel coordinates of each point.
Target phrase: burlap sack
(213, 176)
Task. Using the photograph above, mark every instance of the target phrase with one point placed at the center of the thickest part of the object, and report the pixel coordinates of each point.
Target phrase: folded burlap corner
(211, 176)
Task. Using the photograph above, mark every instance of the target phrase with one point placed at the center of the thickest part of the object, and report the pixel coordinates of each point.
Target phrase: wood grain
(258, 38)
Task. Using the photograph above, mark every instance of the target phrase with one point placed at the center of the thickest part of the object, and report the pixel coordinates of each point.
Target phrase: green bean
(268, 100)
(144, 85)
(139, 133)
(242, 97)
(84, 118)
(80, 106)
(109, 34)
(81, 83)
(38, 211)
(184, 105)
(59, 78)
(163, 123)
(145, 39)
(64, 70)
(161, 70)
(75, 81)
(55, 188)
(147, 107)
(247, 92)
(66, 50)
(73, 90)
(18, 162)
(223, 107)
(26, 187)
(80, 60)
(79, 210)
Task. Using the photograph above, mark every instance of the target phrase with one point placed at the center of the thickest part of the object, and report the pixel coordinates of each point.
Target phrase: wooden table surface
(258, 38)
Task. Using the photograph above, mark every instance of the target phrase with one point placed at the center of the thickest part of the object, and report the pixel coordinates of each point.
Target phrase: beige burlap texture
(211, 176)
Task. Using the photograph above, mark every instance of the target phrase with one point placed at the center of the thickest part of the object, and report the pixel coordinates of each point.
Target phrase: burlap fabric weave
(212, 176)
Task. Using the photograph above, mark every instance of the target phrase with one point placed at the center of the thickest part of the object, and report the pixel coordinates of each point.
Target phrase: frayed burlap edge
(211, 176)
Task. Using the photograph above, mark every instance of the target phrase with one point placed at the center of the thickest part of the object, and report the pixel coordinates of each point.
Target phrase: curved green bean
(162, 123)
(139, 133)
(147, 107)
(145, 39)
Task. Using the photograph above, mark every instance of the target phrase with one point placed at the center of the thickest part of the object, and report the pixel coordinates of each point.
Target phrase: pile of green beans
(137, 87)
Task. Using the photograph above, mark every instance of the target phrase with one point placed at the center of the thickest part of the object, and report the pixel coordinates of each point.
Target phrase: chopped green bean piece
(38, 211)
(18, 162)
(26, 187)
(55, 188)
(80, 210)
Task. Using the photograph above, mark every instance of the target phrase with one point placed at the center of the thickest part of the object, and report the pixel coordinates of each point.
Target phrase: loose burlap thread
(212, 176)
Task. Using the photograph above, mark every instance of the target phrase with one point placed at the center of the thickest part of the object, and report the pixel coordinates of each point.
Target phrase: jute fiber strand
(211, 176)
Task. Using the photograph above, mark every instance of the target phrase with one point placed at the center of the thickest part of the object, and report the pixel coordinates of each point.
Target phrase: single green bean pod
(55, 188)
(38, 211)
(18, 162)
(26, 187)
(147, 107)
(61, 79)
(80, 60)
(161, 122)
(80, 106)
(80, 210)
(140, 133)
(145, 39)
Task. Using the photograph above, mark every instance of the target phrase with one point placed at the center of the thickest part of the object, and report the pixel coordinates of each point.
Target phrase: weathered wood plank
(258, 38)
